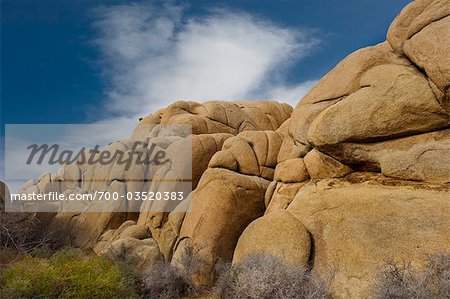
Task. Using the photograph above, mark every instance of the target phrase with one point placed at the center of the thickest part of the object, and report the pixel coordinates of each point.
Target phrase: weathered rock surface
(279, 234)
(167, 235)
(339, 83)
(223, 117)
(423, 157)
(414, 18)
(223, 204)
(279, 195)
(322, 166)
(251, 153)
(393, 101)
(357, 226)
(291, 171)
(428, 49)
(229, 196)
(212, 124)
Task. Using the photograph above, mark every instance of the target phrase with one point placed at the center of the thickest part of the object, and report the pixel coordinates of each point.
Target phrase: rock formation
(357, 174)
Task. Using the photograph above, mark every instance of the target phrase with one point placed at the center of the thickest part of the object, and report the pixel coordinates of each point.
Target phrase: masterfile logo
(54, 168)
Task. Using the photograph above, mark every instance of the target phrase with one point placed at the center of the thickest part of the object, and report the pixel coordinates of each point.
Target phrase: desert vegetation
(67, 273)
(257, 276)
(265, 276)
(403, 281)
(23, 232)
(33, 264)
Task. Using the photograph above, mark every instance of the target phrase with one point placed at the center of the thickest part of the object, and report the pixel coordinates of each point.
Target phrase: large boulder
(141, 254)
(252, 153)
(414, 18)
(360, 223)
(393, 100)
(420, 32)
(322, 166)
(223, 204)
(223, 117)
(367, 111)
(422, 157)
(336, 85)
(279, 234)
(229, 196)
(429, 49)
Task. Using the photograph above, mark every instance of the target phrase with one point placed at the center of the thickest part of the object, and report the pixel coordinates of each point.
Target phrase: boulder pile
(357, 174)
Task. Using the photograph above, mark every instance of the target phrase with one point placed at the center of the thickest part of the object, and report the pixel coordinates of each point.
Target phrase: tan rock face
(380, 94)
(413, 18)
(322, 166)
(357, 227)
(429, 50)
(421, 33)
(393, 100)
(423, 157)
(279, 234)
(399, 29)
(229, 196)
(279, 195)
(341, 81)
(223, 205)
(203, 148)
(252, 153)
(291, 171)
(167, 235)
(223, 117)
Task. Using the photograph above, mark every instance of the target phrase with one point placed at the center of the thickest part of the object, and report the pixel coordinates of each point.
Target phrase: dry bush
(165, 281)
(23, 232)
(258, 276)
(265, 276)
(407, 282)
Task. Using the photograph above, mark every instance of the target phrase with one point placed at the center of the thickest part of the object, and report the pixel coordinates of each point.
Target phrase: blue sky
(63, 61)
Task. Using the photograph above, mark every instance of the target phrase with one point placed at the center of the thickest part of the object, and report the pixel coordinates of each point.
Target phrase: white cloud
(154, 55)
(291, 94)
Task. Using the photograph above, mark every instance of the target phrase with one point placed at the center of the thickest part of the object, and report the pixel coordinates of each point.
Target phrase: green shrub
(66, 274)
